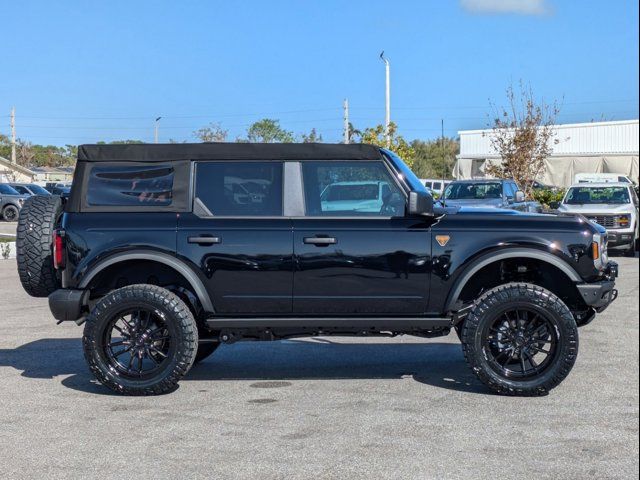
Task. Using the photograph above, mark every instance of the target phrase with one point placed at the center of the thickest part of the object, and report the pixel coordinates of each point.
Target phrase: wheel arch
(496, 256)
(173, 263)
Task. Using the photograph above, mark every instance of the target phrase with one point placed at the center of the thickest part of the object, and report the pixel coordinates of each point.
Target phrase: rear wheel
(34, 249)
(520, 339)
(140, 340)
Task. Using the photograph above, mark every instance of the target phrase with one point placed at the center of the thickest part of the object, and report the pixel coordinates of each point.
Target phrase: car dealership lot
(327, 407)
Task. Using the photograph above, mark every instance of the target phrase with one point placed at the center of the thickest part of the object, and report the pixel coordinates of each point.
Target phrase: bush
(547, 196)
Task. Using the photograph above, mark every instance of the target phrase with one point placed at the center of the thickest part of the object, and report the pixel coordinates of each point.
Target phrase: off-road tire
(10, 213)
(521, 294)
(205, 349)
(179, 321)
(34, 249)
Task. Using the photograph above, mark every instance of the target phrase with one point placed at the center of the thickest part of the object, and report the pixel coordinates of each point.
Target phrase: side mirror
(420, 203)
(554, 205)
(519, 196)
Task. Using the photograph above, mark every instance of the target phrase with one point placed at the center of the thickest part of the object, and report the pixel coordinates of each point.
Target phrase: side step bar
(320, 323)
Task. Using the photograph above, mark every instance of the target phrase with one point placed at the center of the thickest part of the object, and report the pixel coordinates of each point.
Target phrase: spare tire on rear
(34, 248)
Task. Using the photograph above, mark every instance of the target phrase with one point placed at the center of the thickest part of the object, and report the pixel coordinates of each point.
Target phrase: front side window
(240, 188)
(351, 189)
(596, 195)
(130, 186)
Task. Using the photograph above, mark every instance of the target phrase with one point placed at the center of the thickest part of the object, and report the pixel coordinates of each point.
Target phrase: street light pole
(155, 130)
(387, 116)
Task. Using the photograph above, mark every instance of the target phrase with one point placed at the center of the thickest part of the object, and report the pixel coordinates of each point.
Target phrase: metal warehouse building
(602, 147)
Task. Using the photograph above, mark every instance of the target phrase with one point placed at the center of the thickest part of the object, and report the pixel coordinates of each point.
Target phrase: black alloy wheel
(137, 343)
(520, 343)
(10, 213)
(140, 340)
(520, 339)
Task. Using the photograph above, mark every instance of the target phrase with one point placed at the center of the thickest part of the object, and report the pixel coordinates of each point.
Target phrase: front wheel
(140, 340)
(520, 339)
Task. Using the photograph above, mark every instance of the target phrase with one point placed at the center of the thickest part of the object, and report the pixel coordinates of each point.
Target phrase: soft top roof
(226, 151)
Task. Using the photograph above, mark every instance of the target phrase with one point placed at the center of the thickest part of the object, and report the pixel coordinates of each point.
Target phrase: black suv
(165, 251)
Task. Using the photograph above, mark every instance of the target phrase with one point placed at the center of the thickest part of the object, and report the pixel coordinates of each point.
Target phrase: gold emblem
(442, 240)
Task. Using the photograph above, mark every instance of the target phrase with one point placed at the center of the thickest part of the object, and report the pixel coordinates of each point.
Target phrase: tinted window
(20, 189)
(471, 191)
(130, 186)
(240, 188)
(350, 188)
(510, 189)
(7, 190)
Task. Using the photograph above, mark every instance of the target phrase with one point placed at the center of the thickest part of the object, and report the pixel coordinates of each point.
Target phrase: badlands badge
(442, 240)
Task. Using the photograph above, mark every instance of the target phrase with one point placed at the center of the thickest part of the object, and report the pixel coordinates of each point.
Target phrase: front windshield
(473, 191)
(593, 195)
(7, 190)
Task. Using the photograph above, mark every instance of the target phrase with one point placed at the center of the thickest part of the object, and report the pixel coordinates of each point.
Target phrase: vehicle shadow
(437, 364)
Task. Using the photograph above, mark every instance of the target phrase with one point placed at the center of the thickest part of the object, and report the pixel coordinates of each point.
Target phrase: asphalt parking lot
(8, 227)
(318, 408)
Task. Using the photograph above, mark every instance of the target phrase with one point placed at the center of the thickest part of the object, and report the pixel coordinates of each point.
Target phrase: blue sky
(79, 72)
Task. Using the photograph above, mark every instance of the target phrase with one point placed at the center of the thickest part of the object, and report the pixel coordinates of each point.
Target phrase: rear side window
(240, 188)
(130, 186)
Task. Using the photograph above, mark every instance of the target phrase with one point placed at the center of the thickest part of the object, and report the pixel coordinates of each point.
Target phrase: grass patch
(7, 239)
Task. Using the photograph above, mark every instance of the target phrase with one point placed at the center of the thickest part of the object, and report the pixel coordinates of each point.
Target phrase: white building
(599, 147)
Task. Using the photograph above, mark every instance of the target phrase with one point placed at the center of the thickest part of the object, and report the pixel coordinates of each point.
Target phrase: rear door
(353, 256)
(238, 238)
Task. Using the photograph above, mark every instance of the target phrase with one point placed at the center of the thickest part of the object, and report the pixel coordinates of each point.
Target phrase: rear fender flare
(176, 264)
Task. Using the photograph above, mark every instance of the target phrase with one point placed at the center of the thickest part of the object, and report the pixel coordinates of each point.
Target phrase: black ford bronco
(166, 251)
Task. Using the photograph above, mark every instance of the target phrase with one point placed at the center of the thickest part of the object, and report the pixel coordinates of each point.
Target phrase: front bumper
(620, 238)
(599, 295)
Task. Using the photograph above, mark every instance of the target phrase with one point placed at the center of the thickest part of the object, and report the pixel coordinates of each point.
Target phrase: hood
(597, 208)
(482, 202)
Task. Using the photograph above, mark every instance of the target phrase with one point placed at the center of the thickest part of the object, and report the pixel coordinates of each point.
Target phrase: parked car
(435, 185)
(362, 196)
(60, 189)
(488, 193)
(11, 203)
(29, 189)
(612, 205)
(601, 178)
(160, 279)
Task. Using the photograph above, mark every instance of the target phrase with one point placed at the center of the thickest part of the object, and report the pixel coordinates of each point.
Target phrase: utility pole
(155, 130)
(345, 106)
(13, 134)
(387, 117)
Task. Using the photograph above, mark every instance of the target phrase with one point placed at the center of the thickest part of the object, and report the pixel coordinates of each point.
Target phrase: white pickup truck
(612, 205)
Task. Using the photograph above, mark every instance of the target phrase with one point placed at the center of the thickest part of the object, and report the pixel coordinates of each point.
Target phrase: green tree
(375, 136)
(268, 130)
(435, 158)
(312, 137)
(211, 133)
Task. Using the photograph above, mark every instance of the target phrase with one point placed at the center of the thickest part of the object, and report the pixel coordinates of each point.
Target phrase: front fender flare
(178, 265)
(518, 252)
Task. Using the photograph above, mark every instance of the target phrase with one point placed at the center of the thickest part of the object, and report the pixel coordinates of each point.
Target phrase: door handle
(320, 241)
(204, 240)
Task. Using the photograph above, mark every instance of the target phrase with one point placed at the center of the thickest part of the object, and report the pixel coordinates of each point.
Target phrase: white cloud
(520, 7)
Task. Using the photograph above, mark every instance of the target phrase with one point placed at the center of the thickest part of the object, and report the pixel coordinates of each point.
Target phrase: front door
(355, 251)
(238, 238)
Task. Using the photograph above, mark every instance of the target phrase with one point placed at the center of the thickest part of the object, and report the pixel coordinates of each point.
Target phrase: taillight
(58, 249)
